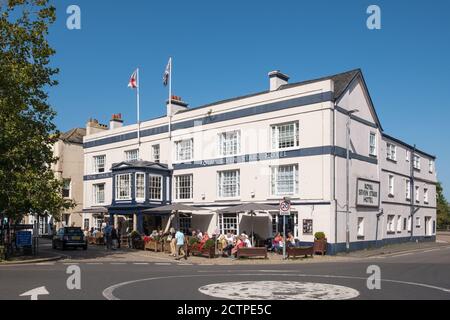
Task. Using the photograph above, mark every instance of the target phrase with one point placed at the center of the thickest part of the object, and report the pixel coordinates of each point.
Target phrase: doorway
(151, 223)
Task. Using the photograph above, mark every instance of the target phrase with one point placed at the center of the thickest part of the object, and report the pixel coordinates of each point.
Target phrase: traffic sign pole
(284, 237)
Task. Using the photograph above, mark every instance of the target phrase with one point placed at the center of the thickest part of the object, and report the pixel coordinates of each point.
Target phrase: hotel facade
(290, 141)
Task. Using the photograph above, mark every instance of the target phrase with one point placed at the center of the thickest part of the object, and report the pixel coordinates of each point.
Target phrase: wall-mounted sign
(368, 193)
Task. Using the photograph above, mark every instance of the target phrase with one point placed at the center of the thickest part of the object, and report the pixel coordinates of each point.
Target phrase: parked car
(69, 238)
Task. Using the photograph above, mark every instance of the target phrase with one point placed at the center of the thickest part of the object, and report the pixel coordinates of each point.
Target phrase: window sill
(390, 233)
(391, 160)
(360, 238)
(390, 195)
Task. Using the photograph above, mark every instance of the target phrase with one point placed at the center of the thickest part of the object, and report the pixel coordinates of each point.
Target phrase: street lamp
(347, 214)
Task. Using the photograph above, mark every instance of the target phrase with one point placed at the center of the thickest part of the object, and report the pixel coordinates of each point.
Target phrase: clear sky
(224, 49)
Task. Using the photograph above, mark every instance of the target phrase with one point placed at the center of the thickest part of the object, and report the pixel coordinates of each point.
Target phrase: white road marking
(35, 293)
(45, 264)
(140, 263)
(163, 264)
(118, 263)
(108, 292)
(278, 290)
(401, 255)
(94, 263)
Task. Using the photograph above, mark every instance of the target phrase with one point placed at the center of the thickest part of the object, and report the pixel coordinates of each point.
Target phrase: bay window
(155, 188)
(140, 187)
(123, 187)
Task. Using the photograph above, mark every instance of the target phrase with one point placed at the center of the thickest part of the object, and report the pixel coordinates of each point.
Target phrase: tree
(443, 209)
(27, 131)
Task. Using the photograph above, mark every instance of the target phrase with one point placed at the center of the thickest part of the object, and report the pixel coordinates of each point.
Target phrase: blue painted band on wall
(299, 153)
(247, 112)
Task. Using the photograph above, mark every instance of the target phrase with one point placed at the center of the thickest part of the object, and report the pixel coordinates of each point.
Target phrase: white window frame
(409, 223)
(408, 189)
(417, 194)
(130, 152)
(118, 187)
(224, 144)
(399, 224)
(425, 196)
(408, 156)
(391, 151)
(431, 166)
(360, 227)
(390, 223)
(96, 197)
(150, 176)
(418, 222)
(182, 157)
(96, 163)
(275, 170)
(373, 147)
(220, 186)
(275, 135)
(178, 190)
(156, 156)
(139, 199)
(230, 219)
(70, 187)
(416, 163)
(391, 184)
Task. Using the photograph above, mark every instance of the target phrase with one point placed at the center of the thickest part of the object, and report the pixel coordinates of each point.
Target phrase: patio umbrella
(251, 208)
(174, 208)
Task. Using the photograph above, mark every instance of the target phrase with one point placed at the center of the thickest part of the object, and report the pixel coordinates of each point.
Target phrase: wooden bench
(251, 252)
(300, 251)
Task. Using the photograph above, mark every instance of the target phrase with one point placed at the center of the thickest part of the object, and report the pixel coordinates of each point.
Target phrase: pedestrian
(180, 245)
(107, 233)
(114, 238)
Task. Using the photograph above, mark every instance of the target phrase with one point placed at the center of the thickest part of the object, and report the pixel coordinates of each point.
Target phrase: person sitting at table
(247, 241)
(203, 241)
(277, 243)
(199, 235)
(290, 241)
(239, 244)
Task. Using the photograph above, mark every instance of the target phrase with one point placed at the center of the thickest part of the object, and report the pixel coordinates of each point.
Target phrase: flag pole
(170, 100)
(138, 109)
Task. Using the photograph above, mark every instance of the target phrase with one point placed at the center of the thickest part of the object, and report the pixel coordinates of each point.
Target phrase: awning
(98, 210)
(249, 207)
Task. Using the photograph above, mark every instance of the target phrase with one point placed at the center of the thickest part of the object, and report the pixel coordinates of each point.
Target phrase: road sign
(285, 208)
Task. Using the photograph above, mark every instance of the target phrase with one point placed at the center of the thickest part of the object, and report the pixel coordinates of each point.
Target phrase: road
(414, 275)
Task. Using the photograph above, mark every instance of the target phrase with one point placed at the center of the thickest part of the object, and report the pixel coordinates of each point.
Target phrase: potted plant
(320, 243)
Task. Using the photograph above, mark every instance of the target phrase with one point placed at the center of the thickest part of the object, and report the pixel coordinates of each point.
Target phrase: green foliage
(193, 241)
(27, 131)
(209, 244)
(135, 235)
(319, 236)
(443, 209)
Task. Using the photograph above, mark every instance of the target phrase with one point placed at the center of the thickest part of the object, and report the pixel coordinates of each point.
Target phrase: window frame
(417, 194)
(158, 158)
(139, 199)
(149, 185)
(69, 189)
(375, 146)
(391, 151)
(95, 193)
(96, 167)
(117, 187)
(360, 228)
(177, 192)
(416, 162)
(275, 139)
(176, 149)
(220, 188)
(425, 196)
(390, 227)
(128, 152)
(408, 189)
(391, 185)
(221, 136)
(274, 185)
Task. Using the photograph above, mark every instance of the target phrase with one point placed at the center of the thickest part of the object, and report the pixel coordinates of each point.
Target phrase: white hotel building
(289, 141)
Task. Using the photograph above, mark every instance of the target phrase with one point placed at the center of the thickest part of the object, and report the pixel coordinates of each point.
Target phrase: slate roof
(140, 164)
(73, 136)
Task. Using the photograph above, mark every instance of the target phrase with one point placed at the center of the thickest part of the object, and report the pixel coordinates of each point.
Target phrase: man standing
(180, 245)
(108, 240)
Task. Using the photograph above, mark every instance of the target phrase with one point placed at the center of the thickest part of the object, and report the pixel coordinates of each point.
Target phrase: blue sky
(223, 49)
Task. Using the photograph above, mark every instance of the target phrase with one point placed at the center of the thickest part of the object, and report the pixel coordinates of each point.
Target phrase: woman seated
(277, 243)
(290, 241)
(203, 241)
(239, 244)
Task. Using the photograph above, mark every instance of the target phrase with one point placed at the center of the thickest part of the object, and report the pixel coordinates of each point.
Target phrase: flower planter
(206, 252)
(320, 246)
(153, 245)
(138, 244)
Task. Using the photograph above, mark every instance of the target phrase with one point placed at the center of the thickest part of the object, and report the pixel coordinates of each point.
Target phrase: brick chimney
(116, 121)
(93, 126)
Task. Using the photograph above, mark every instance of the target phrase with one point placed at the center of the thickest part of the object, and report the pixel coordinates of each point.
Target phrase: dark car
(70, 238)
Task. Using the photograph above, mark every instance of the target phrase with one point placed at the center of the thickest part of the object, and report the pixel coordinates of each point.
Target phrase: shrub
(135, 235)
(193, 241)
(319, 236)
(209, 244)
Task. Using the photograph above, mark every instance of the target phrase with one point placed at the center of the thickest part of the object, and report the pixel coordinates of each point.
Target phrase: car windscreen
(73, 232)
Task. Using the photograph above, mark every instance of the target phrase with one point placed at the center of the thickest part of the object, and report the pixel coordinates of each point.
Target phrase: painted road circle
(278, 290)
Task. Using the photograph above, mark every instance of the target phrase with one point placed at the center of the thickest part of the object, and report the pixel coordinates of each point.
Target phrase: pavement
(416, 272)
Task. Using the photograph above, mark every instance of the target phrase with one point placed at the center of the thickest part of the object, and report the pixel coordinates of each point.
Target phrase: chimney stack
(178, 105)
(93, 126)
(116, 121)
(277, 79)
